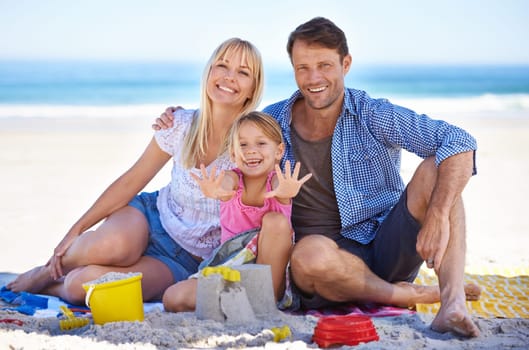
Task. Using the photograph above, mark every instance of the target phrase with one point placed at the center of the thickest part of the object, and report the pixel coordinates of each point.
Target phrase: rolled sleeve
(457, 141)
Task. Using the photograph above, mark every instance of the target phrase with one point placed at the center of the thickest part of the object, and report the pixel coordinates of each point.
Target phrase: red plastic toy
(344, 330)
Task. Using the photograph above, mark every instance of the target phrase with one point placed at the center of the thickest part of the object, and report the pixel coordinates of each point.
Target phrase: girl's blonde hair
(195, 142)
(265, 122)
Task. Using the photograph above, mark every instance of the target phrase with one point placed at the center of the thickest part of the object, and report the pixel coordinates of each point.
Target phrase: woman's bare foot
(455, 318)
(32, 281)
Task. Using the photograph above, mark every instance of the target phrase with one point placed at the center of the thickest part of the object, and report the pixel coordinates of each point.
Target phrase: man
(361, 234)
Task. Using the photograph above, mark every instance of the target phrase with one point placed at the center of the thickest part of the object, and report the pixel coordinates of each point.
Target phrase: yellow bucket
(115, 301)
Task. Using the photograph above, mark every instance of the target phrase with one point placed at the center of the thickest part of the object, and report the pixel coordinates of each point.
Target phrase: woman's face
(230, 81)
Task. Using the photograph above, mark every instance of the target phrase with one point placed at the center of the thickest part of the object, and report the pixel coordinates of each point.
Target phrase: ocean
(132, 89)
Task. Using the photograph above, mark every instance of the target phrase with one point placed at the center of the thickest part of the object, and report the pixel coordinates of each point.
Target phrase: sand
(52, 169)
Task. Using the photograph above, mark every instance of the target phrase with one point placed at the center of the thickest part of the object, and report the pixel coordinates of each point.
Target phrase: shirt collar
(287, 111)
(348, 108)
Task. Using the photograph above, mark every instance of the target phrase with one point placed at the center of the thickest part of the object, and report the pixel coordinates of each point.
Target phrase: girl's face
(258, 153)
(230, 81)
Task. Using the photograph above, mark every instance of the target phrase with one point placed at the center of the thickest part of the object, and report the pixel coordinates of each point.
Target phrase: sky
(378, 31)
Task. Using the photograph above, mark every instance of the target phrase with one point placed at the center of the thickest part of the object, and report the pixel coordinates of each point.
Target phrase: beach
(81, 83)
(52, 169)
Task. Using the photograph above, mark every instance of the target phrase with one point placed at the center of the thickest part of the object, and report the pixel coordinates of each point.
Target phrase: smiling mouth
(318, 89)
(253, 163)
(227, 89)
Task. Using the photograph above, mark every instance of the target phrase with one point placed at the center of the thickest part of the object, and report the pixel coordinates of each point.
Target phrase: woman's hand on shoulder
(165, 120)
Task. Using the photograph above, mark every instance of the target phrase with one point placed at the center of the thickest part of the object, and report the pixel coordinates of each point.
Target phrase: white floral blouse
(190, 218)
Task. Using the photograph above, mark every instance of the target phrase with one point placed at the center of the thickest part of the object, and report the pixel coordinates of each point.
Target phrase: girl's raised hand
(211, 185)
(288, 184)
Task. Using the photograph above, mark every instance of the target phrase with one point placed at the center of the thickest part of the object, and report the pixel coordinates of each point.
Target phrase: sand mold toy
(344, 330)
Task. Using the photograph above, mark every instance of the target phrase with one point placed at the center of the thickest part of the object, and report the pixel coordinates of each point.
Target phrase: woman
(165, 234)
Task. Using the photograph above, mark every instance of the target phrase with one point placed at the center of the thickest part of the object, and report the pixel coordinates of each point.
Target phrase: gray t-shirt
(314, 209)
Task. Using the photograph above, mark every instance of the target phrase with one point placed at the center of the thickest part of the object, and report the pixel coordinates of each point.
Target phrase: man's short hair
(319, 31)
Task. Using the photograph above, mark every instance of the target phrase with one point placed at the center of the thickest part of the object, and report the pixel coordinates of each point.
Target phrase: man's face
(319, 74)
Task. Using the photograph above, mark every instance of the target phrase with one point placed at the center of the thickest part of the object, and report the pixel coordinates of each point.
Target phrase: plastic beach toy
(226, 272)
(281, 333)
(71, 320)
(115, 301)
(13, 321)
(344, 330)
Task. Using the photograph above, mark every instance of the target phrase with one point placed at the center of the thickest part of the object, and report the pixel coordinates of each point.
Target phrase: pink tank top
(236, 217)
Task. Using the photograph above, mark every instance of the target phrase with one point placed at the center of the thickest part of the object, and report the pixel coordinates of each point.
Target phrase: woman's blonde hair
(195, 142)
(265, 122)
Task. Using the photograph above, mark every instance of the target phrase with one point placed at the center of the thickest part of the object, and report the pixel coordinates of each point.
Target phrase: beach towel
(23, 302)
(505, 291)
(41, 306)
(348, 309)
(505, 294)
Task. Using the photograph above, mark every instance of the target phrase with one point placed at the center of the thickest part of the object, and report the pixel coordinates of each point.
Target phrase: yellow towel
(505, 291)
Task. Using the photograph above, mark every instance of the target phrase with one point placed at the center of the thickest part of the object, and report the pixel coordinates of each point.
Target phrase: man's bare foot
(33, 281)
(455, 318)
(472, 292)
(421, 294)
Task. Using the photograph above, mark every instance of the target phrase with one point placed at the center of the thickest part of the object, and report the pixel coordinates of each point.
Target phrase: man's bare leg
(472, 292)
(320, 267)
(453, 314)
(423, 195)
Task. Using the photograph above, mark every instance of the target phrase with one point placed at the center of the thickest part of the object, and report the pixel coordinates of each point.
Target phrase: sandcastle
(237, 295)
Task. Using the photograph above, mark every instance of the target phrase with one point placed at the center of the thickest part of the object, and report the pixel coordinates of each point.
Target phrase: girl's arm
(221, 186)
(286, 186)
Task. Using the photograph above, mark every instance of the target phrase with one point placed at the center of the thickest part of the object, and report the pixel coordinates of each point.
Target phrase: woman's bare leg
(119, 241)
(156, 278)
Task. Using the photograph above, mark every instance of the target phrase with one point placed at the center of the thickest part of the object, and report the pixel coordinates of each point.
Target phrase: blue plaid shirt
(366, 154)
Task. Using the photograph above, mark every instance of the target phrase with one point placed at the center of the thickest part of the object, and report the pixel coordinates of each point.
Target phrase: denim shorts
(391, 255)
(161, 246)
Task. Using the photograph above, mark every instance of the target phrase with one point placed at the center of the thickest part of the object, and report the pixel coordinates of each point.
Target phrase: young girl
(255, 197)
(163, 234)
